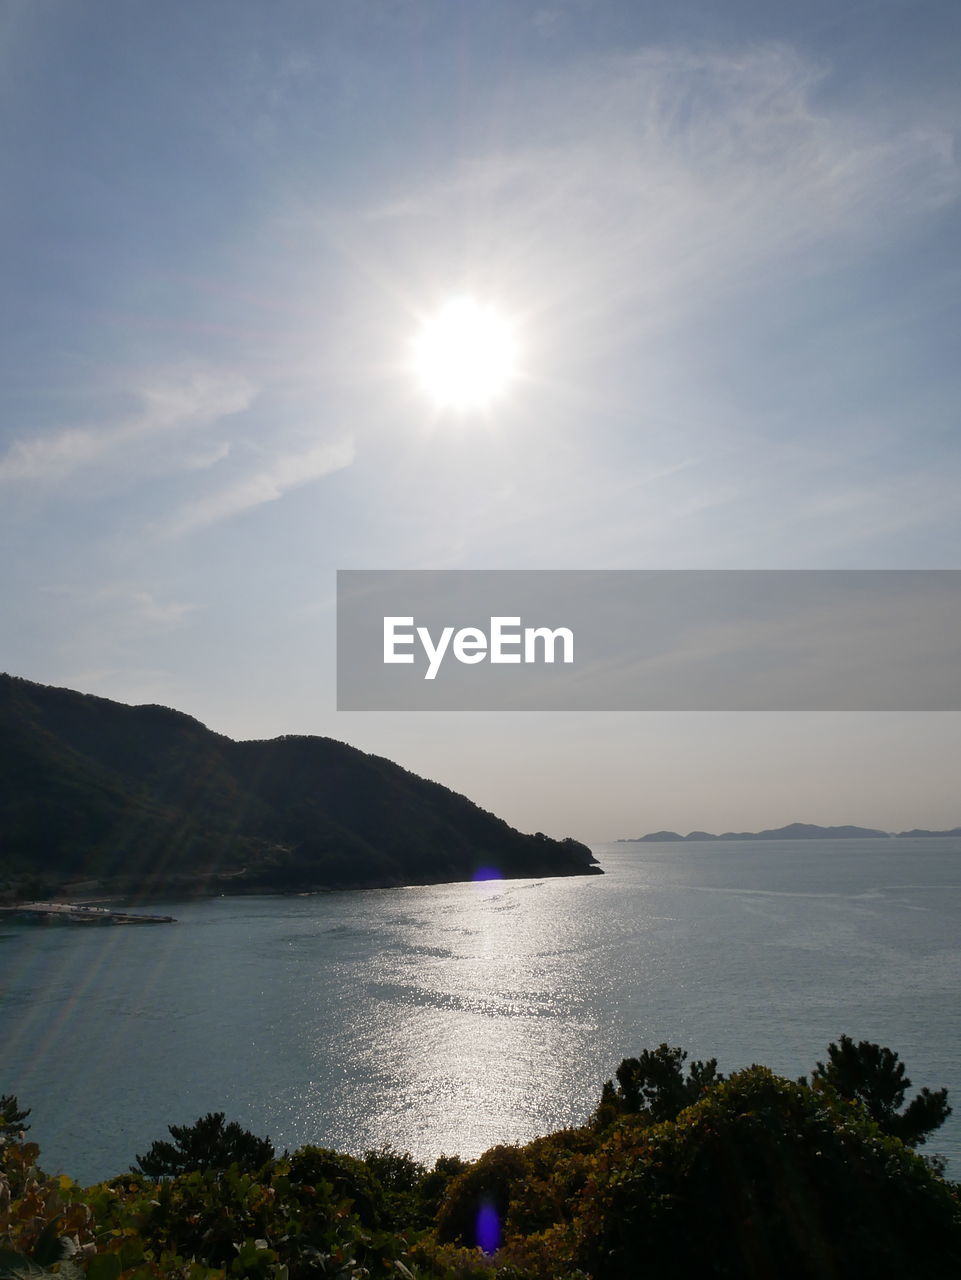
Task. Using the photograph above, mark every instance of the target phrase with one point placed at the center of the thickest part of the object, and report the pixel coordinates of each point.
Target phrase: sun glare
(465, 355)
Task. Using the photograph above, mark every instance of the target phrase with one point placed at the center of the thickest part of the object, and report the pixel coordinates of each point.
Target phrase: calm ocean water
(450, 1018)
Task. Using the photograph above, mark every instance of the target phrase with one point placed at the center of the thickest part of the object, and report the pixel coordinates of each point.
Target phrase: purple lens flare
(486, 873)
(488, 1227)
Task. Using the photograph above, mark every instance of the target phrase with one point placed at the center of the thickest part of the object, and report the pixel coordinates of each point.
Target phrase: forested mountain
(148, 799)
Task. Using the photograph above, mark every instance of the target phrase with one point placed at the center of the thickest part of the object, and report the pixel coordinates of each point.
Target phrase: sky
(726, 234)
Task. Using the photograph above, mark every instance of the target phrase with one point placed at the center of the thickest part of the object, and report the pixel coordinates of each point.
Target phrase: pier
(79, 913)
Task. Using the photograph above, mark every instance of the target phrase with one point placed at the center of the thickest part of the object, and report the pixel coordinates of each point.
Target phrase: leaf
(104, 1266)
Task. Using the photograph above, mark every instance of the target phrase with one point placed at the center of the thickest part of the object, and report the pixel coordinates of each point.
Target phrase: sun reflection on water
(464, 1033)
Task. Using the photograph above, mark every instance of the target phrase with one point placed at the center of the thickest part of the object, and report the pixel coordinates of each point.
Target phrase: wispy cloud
(179, 401)
(124, 608)
(201, 459)
(664, 175)
(146, 608)
(282, 474)
(676, 232)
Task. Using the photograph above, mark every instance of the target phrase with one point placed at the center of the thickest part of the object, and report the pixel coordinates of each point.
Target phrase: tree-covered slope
(147, 796)
(689, 1177)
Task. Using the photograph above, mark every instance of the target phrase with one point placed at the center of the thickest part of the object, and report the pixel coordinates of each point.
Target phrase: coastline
(228, 885)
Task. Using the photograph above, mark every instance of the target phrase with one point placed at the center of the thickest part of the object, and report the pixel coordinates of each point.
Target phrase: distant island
(98, 798)
(793, 831)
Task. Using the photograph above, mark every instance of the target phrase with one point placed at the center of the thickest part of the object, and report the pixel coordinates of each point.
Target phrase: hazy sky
(727, 233)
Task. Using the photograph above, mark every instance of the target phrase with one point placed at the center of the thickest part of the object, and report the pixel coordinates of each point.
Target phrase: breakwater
(81, 914)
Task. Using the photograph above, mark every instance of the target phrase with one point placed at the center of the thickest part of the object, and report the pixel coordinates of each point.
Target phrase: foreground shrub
(875, 1077)
(208, 1143)
(12, 1118)
(346, 1178)
(475, 1207)
(434, 1185)
(204, 1225)
(763, 1178)
(44, 1222)
(654, 1085)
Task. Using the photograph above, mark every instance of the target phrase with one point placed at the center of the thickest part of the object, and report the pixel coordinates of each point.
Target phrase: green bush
(765, 1178)
(492, 1181)
(760, 1178)
(655, 1086)
(435, 1183)
(208, 1143)
(348, 1178)
(875, 1077)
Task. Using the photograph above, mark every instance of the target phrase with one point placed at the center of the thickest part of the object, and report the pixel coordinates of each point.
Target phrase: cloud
(146, 608)
(129, 608)
(284, 473)
(204, 458)
(708, 256)
(179, 401)
(662, 177)
(165, 434)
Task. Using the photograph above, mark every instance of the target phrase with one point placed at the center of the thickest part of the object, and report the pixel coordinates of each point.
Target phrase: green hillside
(147, 799)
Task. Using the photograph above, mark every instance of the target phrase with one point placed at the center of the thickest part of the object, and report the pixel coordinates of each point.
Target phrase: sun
(465, 355)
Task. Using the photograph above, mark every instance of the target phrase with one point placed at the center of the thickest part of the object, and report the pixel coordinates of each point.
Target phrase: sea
(450, 1018)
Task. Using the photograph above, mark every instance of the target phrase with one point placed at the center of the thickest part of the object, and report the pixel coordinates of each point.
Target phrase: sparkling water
(453, 1017)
